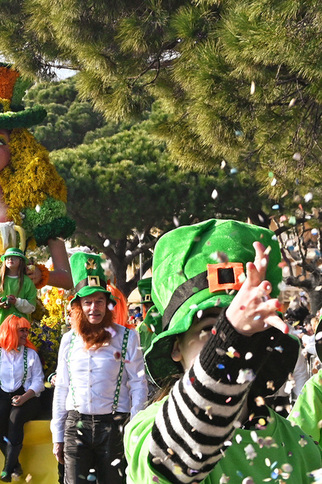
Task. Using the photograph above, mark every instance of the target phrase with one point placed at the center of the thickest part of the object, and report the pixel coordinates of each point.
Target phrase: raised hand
(253, 310)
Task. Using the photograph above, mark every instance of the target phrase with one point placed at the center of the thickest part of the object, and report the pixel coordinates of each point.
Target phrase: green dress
(28, 292)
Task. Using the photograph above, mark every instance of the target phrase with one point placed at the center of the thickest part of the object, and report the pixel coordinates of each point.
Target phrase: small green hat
(12, 90)
(12, 251)
(198, 267)
(88, 274)
(145, 287)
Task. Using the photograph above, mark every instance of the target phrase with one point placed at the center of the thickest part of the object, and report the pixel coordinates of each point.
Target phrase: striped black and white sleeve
(202, 410)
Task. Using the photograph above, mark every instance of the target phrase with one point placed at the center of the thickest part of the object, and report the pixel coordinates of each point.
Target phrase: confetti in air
(308, 197)
(250, 452)
(176, 221)
(214, 194)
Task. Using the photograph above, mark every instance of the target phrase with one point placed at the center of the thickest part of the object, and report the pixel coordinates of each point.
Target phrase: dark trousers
(12, 419)
(93, 445)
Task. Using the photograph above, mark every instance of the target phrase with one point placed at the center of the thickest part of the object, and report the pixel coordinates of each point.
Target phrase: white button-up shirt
(12, 371)
(94, 374)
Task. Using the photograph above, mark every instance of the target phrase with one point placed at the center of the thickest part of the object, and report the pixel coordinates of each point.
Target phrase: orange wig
(9, 332)
(120, 312)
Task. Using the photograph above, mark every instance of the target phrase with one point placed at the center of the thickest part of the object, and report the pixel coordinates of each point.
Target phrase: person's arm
(27, 302)
(58, 451)
(57, 424)
(19, 400)
(61, 275)
(23, 305)
(201, 412)
(300, 374)
(137, 382)
(35, 382)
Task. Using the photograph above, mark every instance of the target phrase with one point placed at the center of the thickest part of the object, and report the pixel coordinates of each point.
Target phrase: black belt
(106, 417)
(19, 391)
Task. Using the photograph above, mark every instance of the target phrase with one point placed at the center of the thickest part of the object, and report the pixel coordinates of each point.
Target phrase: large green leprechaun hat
(12, 90)
(88, 275)
(198, 267)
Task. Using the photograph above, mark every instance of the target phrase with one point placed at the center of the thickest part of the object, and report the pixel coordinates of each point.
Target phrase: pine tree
(240, 79)
(124, 193)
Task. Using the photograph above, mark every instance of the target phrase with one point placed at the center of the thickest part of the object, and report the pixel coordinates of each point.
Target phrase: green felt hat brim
(5, 256)
(158, 356)
(89, 290)
(22, 119)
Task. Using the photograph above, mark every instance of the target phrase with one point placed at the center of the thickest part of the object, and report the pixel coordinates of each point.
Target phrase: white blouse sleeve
(137, 381)
(35, 380)
(57, 425)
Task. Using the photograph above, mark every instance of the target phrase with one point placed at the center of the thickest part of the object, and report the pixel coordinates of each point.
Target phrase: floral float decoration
(49, 324)
(32, 194)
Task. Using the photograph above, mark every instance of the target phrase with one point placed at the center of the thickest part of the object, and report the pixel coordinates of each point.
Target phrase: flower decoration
(49, 324)
(33, 191)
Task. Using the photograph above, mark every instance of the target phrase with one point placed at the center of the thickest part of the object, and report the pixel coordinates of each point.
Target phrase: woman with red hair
(21, 380)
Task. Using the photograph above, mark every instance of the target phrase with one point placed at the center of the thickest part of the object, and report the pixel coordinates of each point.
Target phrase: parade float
(32, 214)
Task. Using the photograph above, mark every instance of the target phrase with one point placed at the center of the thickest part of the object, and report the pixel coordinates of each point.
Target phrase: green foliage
(68, 119)
(240, 80)
(125, 185)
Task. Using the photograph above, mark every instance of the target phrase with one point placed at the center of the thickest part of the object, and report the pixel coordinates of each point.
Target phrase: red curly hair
(9, 337)
(92, 334)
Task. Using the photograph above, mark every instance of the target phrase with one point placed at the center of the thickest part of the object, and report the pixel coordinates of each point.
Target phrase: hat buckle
(225, 276)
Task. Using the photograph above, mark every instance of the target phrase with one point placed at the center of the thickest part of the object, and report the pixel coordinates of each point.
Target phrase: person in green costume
(151, 325)
(307, 410)
(18, 293)
(229, 348)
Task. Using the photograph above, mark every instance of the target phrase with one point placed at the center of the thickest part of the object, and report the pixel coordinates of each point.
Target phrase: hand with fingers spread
(253, 310)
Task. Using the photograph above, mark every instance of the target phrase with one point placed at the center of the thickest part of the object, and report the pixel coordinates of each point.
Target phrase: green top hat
(145, 287)
(12, 90)
(12, 251)
(198, 267)
(88, 275)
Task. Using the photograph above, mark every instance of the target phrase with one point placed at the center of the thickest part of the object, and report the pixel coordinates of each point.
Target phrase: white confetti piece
(214, 194)
(176, 221)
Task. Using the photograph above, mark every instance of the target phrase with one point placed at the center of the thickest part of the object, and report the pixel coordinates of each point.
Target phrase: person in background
(18, 293)
(100, 381)
(226, 349)
(21, 382)
(307, 410)
(137, 312)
